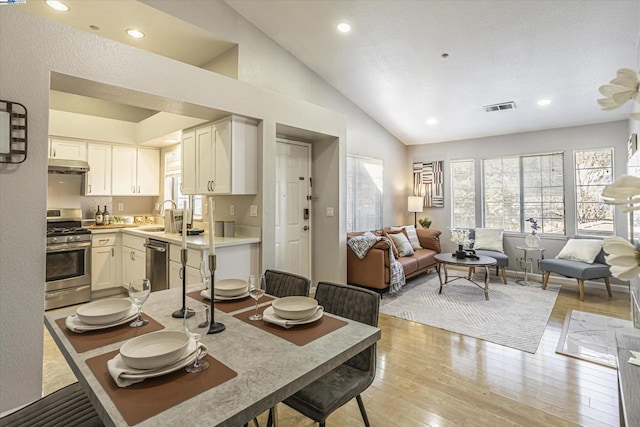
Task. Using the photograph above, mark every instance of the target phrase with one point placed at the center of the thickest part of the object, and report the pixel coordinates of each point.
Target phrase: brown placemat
(231, 305)
(144, 400)
(93, 339)
(299, 334)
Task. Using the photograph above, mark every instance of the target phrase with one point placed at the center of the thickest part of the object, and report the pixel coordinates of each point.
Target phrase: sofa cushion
(387, 233)
(402, 243)
(584, 250)
(412, 235)
(409, 264)
(489, 239)
(424, 258)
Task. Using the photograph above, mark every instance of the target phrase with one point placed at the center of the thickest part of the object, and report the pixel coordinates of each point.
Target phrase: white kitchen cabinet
(195, 259)
(98, 179)
(135, 171)
(67, 149)
(133, 259)
(104, 261)
(221, 158)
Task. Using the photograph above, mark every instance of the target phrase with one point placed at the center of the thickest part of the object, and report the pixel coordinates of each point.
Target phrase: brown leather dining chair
(321, 398)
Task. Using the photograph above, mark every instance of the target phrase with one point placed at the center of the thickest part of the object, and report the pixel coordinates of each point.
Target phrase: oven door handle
(67, 247)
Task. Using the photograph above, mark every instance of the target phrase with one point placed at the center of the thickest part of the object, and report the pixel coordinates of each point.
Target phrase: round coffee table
(450, 259)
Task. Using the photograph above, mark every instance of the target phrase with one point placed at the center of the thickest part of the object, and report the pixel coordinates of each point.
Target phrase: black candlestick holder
(184, 311)
(214, 327)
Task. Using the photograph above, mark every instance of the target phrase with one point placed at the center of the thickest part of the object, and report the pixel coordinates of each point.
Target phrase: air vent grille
(499, 107)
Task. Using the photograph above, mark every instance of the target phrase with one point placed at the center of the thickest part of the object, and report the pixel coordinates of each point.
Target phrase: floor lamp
(414, 204)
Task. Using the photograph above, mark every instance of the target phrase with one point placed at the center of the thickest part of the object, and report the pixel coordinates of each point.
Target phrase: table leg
(440, 266)
(486, 283)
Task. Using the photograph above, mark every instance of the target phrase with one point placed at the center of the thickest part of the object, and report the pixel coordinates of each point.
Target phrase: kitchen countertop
(245, 235)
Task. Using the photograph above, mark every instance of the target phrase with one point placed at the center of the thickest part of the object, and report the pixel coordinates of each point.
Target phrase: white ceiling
(390, 64)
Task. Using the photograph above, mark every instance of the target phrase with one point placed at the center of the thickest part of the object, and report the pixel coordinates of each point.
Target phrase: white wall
(34, 50)
(264, 63)
(614, 134)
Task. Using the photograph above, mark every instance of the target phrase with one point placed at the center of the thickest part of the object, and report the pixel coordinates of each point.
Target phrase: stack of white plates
(228, 289)
(101, 314)
(295, 308)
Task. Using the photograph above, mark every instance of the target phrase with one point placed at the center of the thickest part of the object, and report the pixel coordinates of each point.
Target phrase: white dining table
(269, 368)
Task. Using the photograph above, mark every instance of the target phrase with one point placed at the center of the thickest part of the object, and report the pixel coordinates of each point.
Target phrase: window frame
(611, 208)
(453, 192)
(352, 201)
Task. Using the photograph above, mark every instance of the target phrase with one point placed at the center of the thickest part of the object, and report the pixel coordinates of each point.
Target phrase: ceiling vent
(499, 107)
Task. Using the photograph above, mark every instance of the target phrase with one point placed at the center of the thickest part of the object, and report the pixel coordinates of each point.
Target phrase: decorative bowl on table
(295, 308)
(230, 287)
(155, 350)
(105, 311)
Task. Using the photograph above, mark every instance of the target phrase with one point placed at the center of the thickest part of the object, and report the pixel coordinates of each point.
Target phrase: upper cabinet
(135, 171)
(221, 158)
(98, 180)
(71, 150)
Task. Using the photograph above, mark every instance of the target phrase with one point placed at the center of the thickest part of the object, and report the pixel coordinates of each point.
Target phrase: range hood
(68, 166)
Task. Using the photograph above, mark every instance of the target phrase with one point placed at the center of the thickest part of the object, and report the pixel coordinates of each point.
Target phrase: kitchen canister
(219, 228)
(229, 229)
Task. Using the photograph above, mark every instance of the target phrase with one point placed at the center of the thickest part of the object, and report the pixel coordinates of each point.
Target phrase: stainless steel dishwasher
(158, 264)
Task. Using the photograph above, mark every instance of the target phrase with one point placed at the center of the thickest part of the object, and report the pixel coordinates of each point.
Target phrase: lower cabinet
(104, 261)
(195, 262)
(133, 259)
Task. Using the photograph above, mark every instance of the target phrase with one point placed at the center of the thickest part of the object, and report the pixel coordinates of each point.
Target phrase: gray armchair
(502, 260)
(578, 270)
(322, 397)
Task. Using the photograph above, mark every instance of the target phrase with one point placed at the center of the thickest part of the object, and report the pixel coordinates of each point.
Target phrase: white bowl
(104, 311)
(154, 350)
(230, 287)
(294, 308)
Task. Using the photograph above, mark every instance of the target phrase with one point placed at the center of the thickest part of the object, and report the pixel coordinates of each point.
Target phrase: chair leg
(581, 286)
(363, 412)
(545, 279)
(504, 275)
(607, 282)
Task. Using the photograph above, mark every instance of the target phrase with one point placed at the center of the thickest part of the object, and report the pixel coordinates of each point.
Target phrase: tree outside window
(364, 193)
(463, 193)
(593, 170)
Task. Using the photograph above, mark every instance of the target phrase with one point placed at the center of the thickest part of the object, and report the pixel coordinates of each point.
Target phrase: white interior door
(293, 209)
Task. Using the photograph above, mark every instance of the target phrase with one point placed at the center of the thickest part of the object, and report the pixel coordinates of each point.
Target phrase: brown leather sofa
(373, 270)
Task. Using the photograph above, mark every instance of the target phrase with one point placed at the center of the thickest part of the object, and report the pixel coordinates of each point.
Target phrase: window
(172, 181)
(521, 187)
(594, 170)
(364, 193)
(463, 194)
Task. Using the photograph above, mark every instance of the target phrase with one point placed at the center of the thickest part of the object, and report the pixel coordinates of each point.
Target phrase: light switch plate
(329, 211)
(120, 207)
(253, 210)
(232, 210)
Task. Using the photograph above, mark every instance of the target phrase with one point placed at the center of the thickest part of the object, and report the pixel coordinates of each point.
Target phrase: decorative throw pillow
(387, 234)
(412, 235)
(489, 239)
(585, 250)
(401, 242)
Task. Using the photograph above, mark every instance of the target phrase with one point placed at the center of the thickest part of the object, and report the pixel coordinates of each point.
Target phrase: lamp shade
(415, 203)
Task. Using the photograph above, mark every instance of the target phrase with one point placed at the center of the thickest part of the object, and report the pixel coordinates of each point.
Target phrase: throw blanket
(361, 244)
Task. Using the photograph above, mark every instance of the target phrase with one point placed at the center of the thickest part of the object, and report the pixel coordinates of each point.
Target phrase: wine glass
(256, 293)
(197, 325)
(204, 275)
(139, 291)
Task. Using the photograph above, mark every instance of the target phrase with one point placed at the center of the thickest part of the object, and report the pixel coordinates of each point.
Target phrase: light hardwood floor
(432, 377)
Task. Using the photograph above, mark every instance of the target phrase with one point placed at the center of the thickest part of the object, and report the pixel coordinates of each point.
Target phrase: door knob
(305, 228)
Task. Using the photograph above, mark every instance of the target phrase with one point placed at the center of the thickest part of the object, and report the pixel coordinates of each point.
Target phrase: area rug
(591, 337)
(515, 316)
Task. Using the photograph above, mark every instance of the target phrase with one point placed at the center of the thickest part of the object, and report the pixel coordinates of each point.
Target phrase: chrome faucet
(175, 206)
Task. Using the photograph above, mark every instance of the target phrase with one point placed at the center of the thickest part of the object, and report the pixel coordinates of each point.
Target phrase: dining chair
(321, 398)
(282, 284)
(69, 406)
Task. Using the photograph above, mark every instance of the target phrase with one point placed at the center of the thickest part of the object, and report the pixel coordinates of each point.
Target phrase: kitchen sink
(151, 229)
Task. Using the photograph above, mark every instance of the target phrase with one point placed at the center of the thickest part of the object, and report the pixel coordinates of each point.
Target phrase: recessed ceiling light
(57, 5)
(343, 27)
(136, 34)
(544, 102)
(432, 121)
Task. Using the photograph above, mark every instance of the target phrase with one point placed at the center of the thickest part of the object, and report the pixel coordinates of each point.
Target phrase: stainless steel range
(68, 277)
